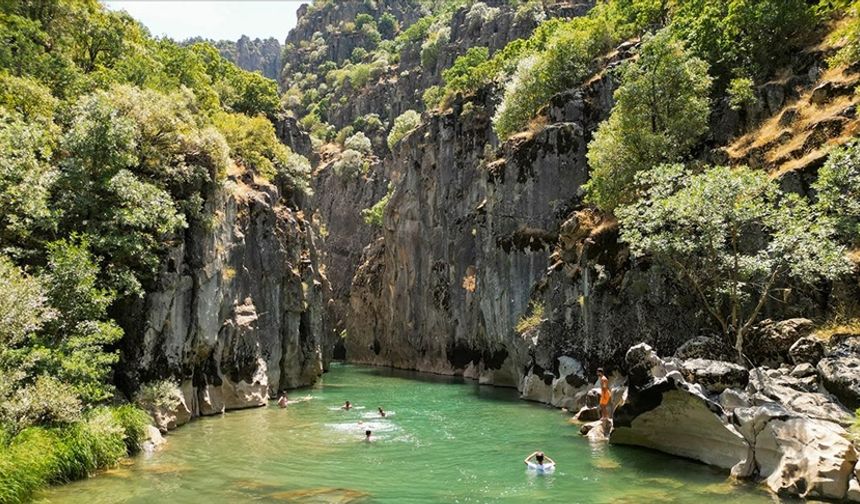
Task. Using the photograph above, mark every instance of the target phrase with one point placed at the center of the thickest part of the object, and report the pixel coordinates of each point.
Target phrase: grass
(533, 319)
(39, 456)
(850, 326)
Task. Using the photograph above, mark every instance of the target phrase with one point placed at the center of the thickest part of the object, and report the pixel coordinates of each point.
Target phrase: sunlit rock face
(238, 313)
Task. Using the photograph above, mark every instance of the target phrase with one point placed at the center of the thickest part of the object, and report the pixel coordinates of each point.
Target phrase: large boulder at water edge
(781, 429)
(665, 412)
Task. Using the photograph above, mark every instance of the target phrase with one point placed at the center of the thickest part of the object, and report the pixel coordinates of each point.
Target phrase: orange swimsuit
(605, 394)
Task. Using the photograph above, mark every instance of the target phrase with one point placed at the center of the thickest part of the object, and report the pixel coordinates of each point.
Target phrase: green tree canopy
(661, 112)
(732, 236)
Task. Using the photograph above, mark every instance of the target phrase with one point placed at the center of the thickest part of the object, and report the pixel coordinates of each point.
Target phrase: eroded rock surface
(779, 430)
(238, 311)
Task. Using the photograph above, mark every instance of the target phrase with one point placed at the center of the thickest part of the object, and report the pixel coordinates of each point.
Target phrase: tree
(23, 307)
(746, 37)
(388, 26)
(80, 337)
(661, 112)
(732, 237)
(838, 188)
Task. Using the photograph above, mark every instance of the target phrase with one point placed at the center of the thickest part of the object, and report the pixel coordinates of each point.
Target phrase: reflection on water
(442, 440)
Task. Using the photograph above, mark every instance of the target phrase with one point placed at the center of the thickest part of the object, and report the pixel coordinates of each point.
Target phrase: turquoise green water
(443, 441)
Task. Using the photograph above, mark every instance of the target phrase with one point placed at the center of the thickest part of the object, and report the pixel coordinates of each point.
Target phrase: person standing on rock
(605, 394)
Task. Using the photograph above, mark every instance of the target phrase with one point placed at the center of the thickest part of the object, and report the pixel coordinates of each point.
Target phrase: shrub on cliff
(350, 164)
(750, 238)
(373, 215)
(403, 124)
(569, 57)
(360, 142)
(661, 112)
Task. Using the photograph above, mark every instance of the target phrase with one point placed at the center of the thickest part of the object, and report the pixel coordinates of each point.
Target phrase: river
(443, 440)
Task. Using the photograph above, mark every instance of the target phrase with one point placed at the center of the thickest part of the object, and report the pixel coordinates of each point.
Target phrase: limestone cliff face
(238, 312)
(337, 204)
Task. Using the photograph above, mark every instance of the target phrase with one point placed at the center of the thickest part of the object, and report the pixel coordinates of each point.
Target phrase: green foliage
(254, 145)
(46, 401)
(350, 164)
(849, 32)
(661, 112)
(133, 422)
(750, 236)
(359, 142)
(433, 97)
(433, 45)
(403, 124)
(838, 188)
(373, 215)
(158, 395)
(741, 93)
(39, 456)
(566, 61)
(23, 306)
(388, 26)
(462, 75)
(748, 37)
(26, 179)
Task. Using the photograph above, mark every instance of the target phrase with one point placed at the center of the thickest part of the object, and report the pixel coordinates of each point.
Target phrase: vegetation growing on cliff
(661, 112)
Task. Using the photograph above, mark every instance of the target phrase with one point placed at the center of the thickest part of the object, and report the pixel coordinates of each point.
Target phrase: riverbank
(40, 456)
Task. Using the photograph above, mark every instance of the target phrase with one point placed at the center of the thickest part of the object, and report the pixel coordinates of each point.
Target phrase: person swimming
(282, 401)
(381, 413)
(367, 436)
(347, 406)
(541, 461)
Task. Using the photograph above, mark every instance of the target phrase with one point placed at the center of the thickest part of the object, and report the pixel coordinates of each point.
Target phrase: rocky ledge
(781, 426)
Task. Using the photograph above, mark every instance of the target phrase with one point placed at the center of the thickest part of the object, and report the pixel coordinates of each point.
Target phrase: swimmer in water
(347, 406)
(540, 459)
(381, 413)
(367, 436)
(282, 401)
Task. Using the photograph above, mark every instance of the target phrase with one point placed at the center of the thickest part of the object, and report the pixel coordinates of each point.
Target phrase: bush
(661, 112)
(349, 165)
(480, 14)
(403, 124)
(433, 97)
(741, 93)
(359, 142)
(133, 422)
(388, 26)
(431, 47)
(158, 395)
(373, 215)
(462, 75)
(47, 401)
(567, 60)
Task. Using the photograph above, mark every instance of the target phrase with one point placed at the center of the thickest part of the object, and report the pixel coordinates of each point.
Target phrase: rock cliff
(238, 312)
